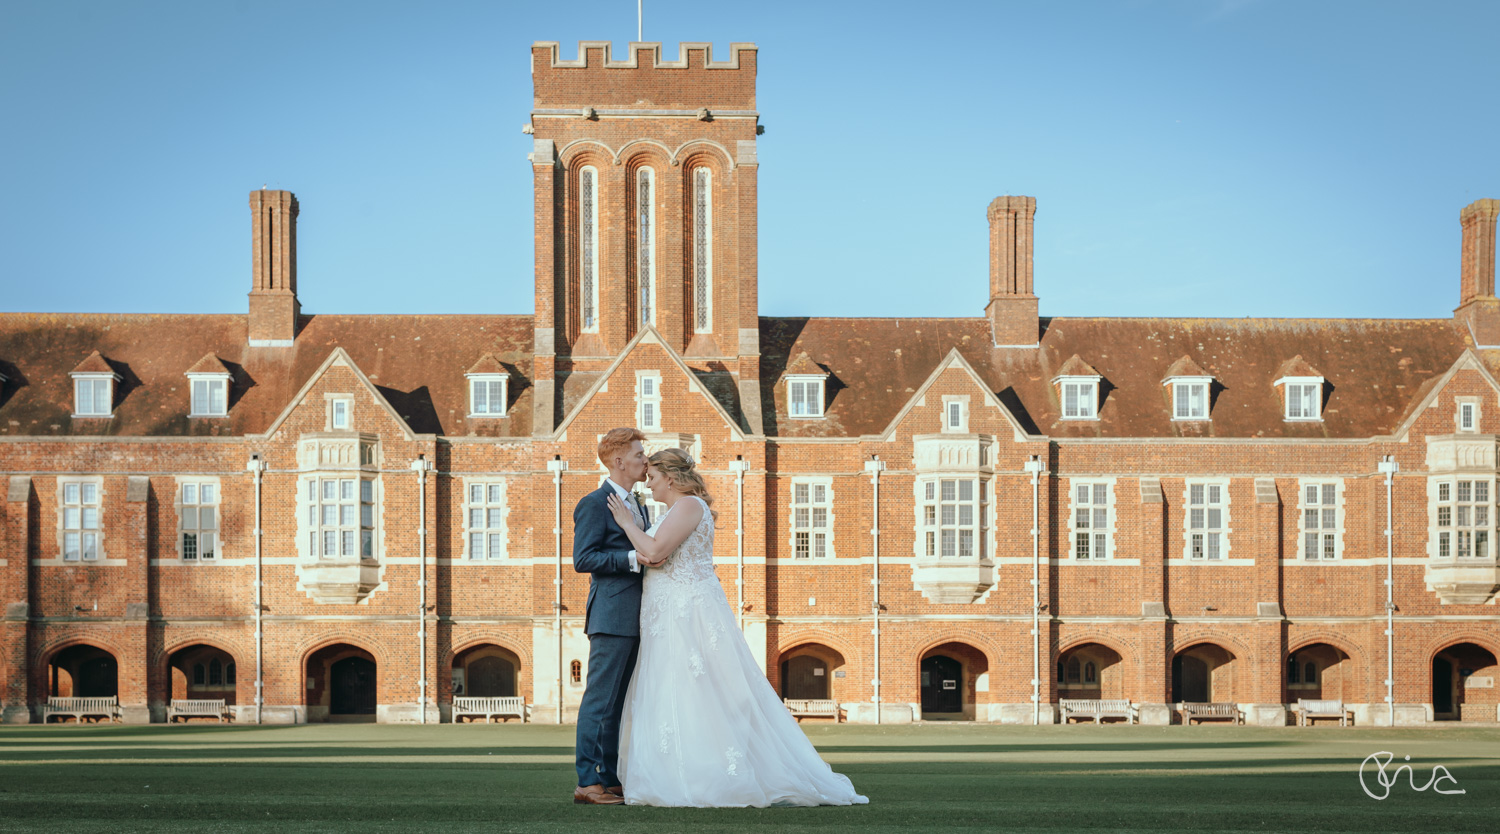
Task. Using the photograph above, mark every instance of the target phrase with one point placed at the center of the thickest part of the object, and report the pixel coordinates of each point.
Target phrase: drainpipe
(874, 466)
(257, 467)
(1389, 467)
(1034, 466)
(557, 466)
(739, 465)
(421, 467)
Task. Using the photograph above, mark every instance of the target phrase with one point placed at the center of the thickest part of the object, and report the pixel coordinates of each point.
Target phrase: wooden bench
(1097, 710)
(801, 708)
(1207, 712)
(489, 708)
(100, 707)
(197, 709)
(1311, 709)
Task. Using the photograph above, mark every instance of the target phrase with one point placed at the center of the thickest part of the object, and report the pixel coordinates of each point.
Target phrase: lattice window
(702, 250)
(1206, 520)
(198, 520)
(952, 517)
(1463, 519)
(1468, 416)
(341, 517)
(1320, 521)
(812, 520)
(645, 243)
(80, 521)
(486, 520)
(487, 395)
(1190, 400)
(93, 396)
(588, 237)
(1080, 399)
(648, 401)
(1303, 400)
(1091, 520)
(805, 396)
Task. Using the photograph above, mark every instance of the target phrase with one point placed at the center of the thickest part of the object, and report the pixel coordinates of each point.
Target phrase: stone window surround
(1111, 530)
(101, 557)
(1452, 478)
(962, 401)
(1475, 403)
(331, 399)
(219, 553)
(1340, 501)
(641, 400)
(486, 481)
(377, 547)
(984, 522)
(1225, 527)
(810, 480)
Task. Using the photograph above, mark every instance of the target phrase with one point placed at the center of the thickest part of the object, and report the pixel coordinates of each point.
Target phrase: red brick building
(315, 516)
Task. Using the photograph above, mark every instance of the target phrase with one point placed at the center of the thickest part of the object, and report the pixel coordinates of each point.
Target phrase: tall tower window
(588, 236)
(703, 250)
(645, 243)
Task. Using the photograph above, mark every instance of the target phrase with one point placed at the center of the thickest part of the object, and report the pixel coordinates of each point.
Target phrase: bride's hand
(622, 513)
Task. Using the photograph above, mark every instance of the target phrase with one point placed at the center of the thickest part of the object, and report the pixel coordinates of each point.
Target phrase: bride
(702, 726)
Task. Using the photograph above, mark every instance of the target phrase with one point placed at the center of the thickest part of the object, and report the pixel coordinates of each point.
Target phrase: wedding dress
(702, 726)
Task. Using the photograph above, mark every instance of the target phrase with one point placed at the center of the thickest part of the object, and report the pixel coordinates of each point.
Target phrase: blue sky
(1189, 157)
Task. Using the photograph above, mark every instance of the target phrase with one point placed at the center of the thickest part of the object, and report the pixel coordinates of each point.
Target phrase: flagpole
(638, 37)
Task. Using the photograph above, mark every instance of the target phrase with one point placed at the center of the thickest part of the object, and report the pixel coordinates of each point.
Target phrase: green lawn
(371, 778)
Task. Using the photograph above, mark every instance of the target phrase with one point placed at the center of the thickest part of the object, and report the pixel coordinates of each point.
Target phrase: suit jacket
(602, 549)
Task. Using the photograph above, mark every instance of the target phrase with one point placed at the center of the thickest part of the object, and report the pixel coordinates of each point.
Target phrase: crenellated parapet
(597, 78)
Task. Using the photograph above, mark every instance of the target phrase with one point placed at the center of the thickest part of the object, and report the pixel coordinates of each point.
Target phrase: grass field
(374, 778)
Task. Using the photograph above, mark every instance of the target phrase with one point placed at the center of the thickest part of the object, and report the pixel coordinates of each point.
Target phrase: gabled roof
(209, 364)
(1468, 361)
(94, 364)
(1296, 367)
(952, 360)
(488, 364)
(340, 358)
(1075, 366)
(803, 366)
(1185, 367)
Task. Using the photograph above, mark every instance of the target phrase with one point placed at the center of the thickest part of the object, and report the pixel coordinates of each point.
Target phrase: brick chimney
(1013, 306)
(273, 258)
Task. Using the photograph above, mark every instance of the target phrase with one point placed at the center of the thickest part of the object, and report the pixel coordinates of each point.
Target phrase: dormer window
(1304, 397)
(208, 384)
(1190, 398)
(487, 394)
(94, 387)
(1080, 398)
(804, 396)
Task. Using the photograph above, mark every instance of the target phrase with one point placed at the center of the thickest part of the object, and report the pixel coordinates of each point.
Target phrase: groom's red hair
(617, 442)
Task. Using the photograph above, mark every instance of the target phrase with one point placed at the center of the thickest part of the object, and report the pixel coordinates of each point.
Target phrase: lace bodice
(693, 560)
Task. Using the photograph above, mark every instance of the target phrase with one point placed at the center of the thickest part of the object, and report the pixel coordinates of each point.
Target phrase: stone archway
(342, 685)
(1463, 683)
(949, 674)
(811, 671)
(1320, 670)
(1090, 671)
(1203, 673)
(485, 670)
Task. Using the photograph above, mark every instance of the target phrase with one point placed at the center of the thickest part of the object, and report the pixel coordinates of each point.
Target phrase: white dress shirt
(635, 509)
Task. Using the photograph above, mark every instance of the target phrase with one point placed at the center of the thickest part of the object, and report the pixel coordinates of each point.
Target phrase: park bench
(99, 707)
(1310, 709)
(1096, 709)
(801, 708)
(197, 709)
(1211, 711)
(489, 708)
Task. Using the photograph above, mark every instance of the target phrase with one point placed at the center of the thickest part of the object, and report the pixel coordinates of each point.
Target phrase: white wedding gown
(702, 726)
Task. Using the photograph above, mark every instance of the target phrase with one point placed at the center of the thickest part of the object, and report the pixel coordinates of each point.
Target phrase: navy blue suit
(612, 620)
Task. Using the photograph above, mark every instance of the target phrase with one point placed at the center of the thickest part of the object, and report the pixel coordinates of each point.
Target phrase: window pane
(91, 518)
(71, 518)
(346, 490)
(1445, 516)
(1463, 516)
(1481, 544)
(820, 494)
(367, 543)
(1443, 545)
(1083, 494)
(1465, 488)
(799, 493)
(366, 515)
(216, 396)
(348, 543)
(1082, 545)
(189, 518)
(367, 491)
(949, 543)
(330, 490)
(90, 493)
(330, 543)
(476, 518)
(497, 546)
(206, 494)
(70, 546)
(1101, 519)
(1329, 491)
(206, 544)
(476, 545)
(497, 396)
(190, 546)
(931, 543)
(966, 490)
(1215, 518)
(950, 490)
(101, 397)
(1481, 516)
(330, 514)
(1215, 493)
(1101, 494)
(931, 490)
(801, 550)
(346, 515)
(820, 545)
(1100, 550)
(70, 493)
(189, 493)
(966, 514)
(820, 518)
(497, 517)
(798, 398)
(1070, 400)
(1328, 548)
(948, 514)
(1195, 494)
(480, 393)
(1197, 545)
(90, 546)
(1328, 521)
(476, 493)
(966, 542)
(1310, 519)
(1312, 494)
(929, 515)
(1213, 545)
(206, 520)
(1081, 518)
(1444, 490)
(801, 516)
(497, 493)
(1195, 519)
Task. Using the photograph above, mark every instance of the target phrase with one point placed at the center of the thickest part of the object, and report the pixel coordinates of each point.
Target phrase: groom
(612, 616)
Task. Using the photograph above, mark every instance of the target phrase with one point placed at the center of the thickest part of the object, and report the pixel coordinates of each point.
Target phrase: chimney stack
(1013, 305)
(1477, 305)
(273, 258)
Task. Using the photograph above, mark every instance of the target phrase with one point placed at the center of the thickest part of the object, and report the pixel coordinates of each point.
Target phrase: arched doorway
(949, 679)
(202, 672)
(811, 671)
(1202, 674)
(1463, 683)
(1092, 671)
(342, 685)
(83, 671)
(1319, 671)
(485, 671)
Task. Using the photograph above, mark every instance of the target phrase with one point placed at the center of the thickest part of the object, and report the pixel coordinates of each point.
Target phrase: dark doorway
(942, 684)
(353, 687)
(491, 677)
(804, 676)
(1189, 680)
(97, 678)
(1442, 688)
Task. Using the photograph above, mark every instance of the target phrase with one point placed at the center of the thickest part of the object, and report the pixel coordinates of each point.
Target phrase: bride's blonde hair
(681, 473)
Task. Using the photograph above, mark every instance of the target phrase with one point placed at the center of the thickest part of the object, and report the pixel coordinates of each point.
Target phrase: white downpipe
(874, 467)
(1034, 466)
(421, 465)
(557, 466)
(1389, 467)
(258, 466)
(739, 467)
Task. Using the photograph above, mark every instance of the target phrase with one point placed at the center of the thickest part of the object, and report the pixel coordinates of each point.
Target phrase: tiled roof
(1296, 366)
(488, 364)
(417, 362)
(1184, 367)
(209, 364)
(804, 366)
(94, 364)
(1075, 366)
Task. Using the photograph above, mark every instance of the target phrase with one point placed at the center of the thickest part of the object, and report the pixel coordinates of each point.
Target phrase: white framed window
(1465, 518)
(588, 249)
(79, 511)
(645, 243)
(703, 250)
(93, 395)
(648, 401)
(951, 517)
(1189, 398)
(1467, 418)
(812, 518)
(804, 396)
(340, 412)
(1304, 397)
(198, 520)
(1080, 398)
(1092, 520)
(1321, 519)
(956, 413)
(210, 395)
(488, 394)
(485, 512)
(1206, 520)
(340, 516)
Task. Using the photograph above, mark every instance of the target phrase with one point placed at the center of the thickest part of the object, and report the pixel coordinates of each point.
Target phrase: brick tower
(645, 190)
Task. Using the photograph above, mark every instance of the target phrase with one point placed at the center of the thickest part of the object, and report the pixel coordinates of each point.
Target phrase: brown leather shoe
(617, 790)
(595, 795)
